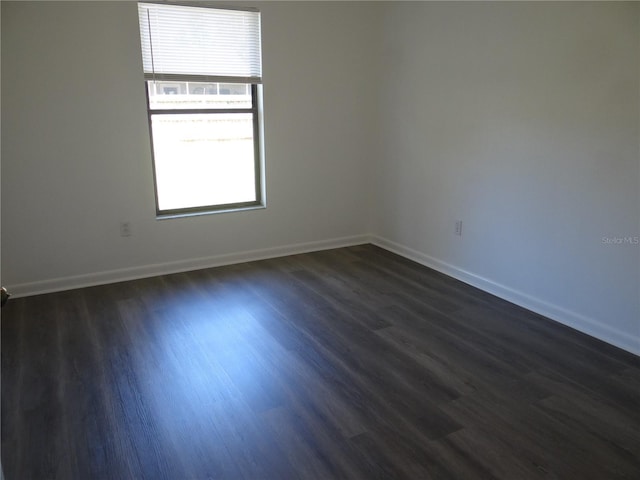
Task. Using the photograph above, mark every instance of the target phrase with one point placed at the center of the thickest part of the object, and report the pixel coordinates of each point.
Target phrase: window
(202, 69)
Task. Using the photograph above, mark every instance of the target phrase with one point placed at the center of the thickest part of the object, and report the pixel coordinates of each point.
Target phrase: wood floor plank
(351, 363)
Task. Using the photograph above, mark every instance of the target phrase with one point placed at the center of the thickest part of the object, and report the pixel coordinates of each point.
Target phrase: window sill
(209, 212)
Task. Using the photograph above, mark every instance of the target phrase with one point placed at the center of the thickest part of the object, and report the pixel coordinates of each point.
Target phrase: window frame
(256, 112)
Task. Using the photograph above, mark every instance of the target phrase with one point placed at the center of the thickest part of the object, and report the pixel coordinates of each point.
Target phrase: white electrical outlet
(458, 230)
(125, 229)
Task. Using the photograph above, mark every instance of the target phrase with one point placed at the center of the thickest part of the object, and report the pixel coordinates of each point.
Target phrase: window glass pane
(234, 89)
(173, 95)
(203, 159)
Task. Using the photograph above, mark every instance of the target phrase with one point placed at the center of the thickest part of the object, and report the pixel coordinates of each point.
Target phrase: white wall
(521, 120)
(76, 155)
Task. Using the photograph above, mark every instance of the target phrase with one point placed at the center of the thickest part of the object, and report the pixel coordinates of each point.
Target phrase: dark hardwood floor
(345, 364)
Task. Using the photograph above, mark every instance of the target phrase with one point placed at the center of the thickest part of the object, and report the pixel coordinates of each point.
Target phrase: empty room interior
(432, 273)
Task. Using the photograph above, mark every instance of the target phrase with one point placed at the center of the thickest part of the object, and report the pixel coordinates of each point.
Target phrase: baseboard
(145, 271)
(559, 314)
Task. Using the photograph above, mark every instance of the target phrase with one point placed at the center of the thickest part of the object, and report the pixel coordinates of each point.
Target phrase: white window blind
(207, 43)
